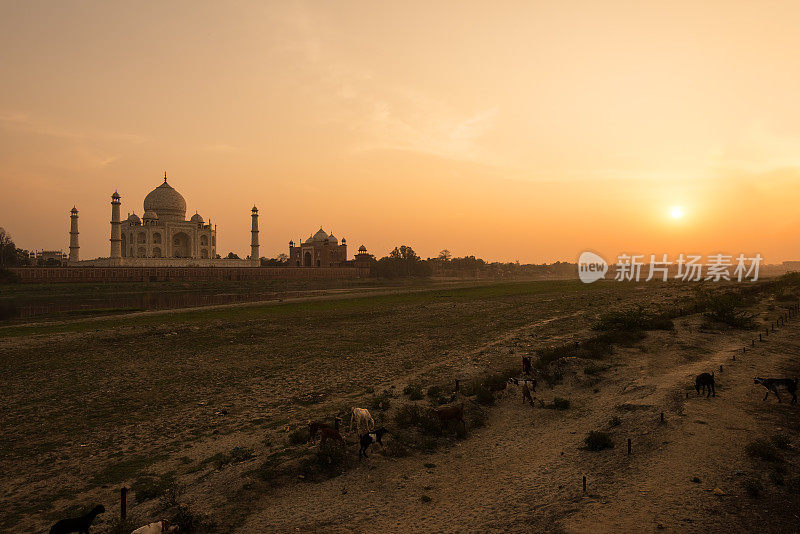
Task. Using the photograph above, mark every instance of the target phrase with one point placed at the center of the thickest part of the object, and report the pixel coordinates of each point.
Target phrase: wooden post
(629, 443)
(752, 342)
(584, 483)
(123, 503)
(662, 417)
(759, 337)
(720, 368)
(687, 394)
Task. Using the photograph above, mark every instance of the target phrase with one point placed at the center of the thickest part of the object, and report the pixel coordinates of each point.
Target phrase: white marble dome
(167, 202)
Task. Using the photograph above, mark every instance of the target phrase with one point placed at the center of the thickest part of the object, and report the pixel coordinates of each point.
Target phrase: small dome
(320, 235)
(134, 219)
(333, 239)
(73, 210)
(115, 195)
(196, 218)
(150, 215)
(362, 248)
(168, 203)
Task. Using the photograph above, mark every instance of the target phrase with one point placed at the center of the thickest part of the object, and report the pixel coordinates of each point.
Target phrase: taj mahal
(163, 237)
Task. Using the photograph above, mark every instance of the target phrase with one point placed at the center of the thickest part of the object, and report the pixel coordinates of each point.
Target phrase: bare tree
(445, 255)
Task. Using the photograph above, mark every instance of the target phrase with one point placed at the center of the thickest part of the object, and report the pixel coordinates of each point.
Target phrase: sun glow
(676, 212)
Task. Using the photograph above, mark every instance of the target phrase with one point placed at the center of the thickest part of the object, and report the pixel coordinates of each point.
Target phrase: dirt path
(523, 471)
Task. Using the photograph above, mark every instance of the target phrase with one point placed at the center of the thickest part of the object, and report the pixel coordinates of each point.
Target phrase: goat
(526, 365)
(773, 384)
(446, 414)
(325, 431)
(705, 382)
(159, 527)
(369, 438)
(77, 524)
(526, 394)
(359, 417)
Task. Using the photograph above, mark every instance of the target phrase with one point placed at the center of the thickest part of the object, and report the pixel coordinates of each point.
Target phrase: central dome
(166, 202)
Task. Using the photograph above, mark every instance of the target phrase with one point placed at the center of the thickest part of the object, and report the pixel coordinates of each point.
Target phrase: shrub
(559, 403)
(414, 392)
(328, 461)
(615, 421)
(484, 396)
(434, 392)
(723, 309)
(782, 441)
(753, 487)
(597, 441)
(150, 487)
(299, 436)
(763, 449)
(425, 498)
(412, 415)
(381, 402)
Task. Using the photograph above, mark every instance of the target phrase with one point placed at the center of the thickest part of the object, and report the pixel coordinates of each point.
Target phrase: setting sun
(676, 212)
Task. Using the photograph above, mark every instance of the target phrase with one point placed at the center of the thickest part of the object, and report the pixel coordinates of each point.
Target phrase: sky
(527, 131)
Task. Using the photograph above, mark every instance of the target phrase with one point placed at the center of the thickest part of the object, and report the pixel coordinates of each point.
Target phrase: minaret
(254, 256)
(116, 230)
(74, 248)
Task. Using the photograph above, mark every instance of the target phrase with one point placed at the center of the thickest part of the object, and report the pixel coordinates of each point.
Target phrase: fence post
(123, 503)
(584, 483)
(629, 443)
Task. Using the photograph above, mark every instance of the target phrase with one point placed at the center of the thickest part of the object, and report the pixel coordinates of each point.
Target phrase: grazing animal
(77, 524)
(446, 414)
(526, 365)
(325, 431)
(159, 527)
(774, 384)
(705, 382)
(369, 438)
(526, 394)
(360, 417)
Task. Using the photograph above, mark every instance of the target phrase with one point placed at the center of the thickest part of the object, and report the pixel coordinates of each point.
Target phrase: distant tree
(445, 255)
(10, 255)
(232, 256)
(279, 261)
(402, 262)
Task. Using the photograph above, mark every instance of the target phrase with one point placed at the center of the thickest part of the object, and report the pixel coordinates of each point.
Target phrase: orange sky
(523, 131)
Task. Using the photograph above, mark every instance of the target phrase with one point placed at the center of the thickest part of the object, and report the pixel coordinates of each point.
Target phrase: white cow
(361, 418)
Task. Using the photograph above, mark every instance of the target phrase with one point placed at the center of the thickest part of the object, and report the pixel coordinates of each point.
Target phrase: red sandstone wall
(180, 274)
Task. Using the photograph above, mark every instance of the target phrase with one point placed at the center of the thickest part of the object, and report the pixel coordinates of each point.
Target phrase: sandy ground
(167, 397)
(524, 471)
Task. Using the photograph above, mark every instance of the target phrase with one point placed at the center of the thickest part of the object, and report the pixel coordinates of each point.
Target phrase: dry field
(202, 413)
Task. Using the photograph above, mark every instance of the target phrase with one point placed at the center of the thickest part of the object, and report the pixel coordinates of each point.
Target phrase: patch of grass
(235, 456)
(149, 487)
(329, 461)
(559, 403)
(614, 421)
(429, 465)
(593, 369)
(633, 320)
(434, 392)
(425, 498)
(763, 449)
(413, 391)
(598, 441)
